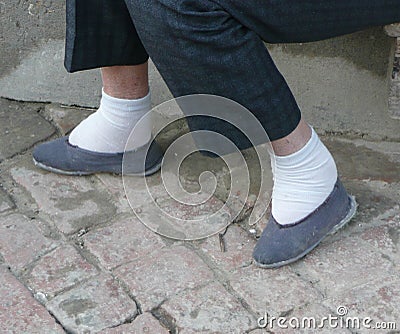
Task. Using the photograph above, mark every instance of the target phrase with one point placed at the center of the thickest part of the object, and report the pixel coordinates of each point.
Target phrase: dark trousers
(100, 33)
(215, 46)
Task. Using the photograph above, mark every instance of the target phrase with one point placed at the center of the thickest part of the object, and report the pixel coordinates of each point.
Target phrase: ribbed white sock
(108, 129)
(302, 181)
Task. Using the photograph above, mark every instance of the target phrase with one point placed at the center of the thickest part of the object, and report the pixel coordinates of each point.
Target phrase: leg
(220, 50)
(109, 39)
(126, 82)
(216, 55)
(125, 101)
(101, 34)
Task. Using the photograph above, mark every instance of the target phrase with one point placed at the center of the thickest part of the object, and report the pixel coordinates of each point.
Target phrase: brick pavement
(75, 259)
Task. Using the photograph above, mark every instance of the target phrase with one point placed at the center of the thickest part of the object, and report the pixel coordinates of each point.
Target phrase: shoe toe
(276, 245)
(53, 154)
(280, 245)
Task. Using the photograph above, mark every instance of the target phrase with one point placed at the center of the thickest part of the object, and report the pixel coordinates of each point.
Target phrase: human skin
(132, 82)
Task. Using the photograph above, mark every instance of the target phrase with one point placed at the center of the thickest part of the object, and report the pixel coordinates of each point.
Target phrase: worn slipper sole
(148, 172)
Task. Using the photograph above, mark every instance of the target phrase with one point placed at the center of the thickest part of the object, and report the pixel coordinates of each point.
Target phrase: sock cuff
(125, 105)
(299, 156)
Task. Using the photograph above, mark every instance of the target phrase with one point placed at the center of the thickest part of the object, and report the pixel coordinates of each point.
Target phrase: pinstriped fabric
(101, 33)
(216, 46)
(288, 21)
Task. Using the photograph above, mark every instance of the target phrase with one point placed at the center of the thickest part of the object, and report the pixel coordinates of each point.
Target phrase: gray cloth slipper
(59, 156)
(280, 245)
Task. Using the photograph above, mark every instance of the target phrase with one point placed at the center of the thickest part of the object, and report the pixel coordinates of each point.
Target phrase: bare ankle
(294, 141)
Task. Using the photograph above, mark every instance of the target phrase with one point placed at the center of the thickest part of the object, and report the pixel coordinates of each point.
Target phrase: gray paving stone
(373, 200)
(20, 127)
(188, 221)
(162, 274)
(124, 241)
(59, 270)
(390, 149)
(114, 185)
(130, 191)
(5, 201)
(210, 309)
(362, 163)
(385, 238)
(65, 118)
(143, 324)
(238, 249)
(310, 318)
(344, 265)
(21, 242)
(72, 203)
(273, 291)
(378, 300)
(98, 304)
(174, 218)
(19, 311)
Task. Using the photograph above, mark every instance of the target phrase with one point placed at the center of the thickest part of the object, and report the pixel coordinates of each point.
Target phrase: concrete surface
(13, 120)
(342, 84)
(24, 26)
(42, 77)
(75, 259)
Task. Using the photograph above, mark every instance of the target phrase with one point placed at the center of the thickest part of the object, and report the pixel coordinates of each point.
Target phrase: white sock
(108, 129)
(302, 181)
